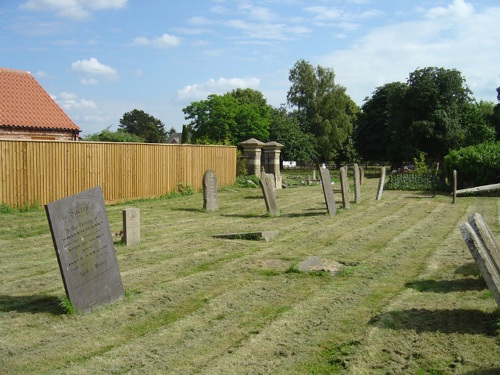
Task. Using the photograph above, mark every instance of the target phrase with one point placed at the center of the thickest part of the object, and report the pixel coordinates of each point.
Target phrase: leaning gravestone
(344, 187)
(357, 184)
(381, 183)
(484, 250)
(326, 183)
(210, 191)
(268, 190)
(85, 251)
(131, 226)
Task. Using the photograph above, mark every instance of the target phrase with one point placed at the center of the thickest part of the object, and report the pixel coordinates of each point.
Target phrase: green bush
(243, 181)
(475, 165)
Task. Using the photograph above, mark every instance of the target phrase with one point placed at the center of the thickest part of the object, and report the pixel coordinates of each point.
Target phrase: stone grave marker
(84, 248)
(131, 226)
(361, 175)
(357, 184)
(484, 250)
(269, 192)
(326, 183)
(210, 191)
(344, 187)
(381, 183)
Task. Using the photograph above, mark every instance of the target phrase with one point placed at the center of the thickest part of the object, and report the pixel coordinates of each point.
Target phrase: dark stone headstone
(131, 226)
(85, 251)
(326, 182)
(357, 184)
(344, 187)
(210, 191)
(269, 192)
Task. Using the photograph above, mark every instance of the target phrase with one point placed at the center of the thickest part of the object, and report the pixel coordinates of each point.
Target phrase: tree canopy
(323, 107)
(107, 135)
(143, 125)
(230, 118)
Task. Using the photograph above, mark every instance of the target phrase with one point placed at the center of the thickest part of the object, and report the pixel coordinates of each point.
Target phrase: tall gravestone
(85, 251)
(357, 184)
(344, 187)
(326, 183)
(381, 183)
(210, 191)
(268, 190)
(131, 226)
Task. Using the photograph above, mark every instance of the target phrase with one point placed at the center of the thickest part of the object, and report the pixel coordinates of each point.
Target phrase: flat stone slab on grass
(252, 236)
(314, 263)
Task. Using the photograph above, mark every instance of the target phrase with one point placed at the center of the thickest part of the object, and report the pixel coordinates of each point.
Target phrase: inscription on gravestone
(131, 226)
(269, 192)
(326, 182)
(210, 191)
(85, 251)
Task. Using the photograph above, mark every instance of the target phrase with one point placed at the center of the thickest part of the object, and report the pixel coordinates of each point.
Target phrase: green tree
(230, 118)
(323, 107)
(109, 136)
(143, 125)
(495, 116)
(285, 129)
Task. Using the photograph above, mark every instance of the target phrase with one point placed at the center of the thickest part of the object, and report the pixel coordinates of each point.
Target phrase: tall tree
(323, 107)
(230, 118)
(143, 125)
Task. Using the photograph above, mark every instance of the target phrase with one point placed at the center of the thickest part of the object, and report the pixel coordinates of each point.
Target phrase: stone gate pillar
(252, 149)
(272, 151)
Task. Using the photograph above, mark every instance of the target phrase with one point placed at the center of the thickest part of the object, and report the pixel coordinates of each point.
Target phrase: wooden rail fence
(43, 171)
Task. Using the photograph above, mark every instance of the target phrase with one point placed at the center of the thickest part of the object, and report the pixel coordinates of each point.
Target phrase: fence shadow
(31, 304)
(446, 286)
(460, 321)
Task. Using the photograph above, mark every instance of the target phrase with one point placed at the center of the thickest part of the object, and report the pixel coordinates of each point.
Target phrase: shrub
(243, 181)
(475, 165)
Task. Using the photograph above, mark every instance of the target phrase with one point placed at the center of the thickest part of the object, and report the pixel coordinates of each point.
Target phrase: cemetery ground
(408, 299)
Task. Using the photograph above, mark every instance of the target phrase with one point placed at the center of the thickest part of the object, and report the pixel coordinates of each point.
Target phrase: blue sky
(101, 58)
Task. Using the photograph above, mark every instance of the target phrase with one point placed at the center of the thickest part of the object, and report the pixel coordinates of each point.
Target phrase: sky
(99, 59)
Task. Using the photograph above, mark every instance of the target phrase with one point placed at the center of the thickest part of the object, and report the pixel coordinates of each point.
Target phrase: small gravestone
(210, 191)
(269, 192)
(357, 184)
(454, 186)
(314, 174)
(381, 183)
(326, 183)
(315, 264)
(131, 226)
(484, 250)
(85, 251)
(344, 187)
(361, 175)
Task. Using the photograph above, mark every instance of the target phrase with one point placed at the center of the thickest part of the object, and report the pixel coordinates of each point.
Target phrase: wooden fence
(44, 171)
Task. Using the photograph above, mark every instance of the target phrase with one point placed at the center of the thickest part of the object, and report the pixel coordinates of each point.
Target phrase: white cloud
(441, 37)
(89, 81)
(92, 67)
(162, 41)
(74, 9)
(70, 101)
(200, 91)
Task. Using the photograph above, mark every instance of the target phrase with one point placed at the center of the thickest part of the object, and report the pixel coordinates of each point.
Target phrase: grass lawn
(409, 299)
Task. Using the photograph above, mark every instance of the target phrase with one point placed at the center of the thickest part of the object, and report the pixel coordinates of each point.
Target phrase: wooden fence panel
(43, 171)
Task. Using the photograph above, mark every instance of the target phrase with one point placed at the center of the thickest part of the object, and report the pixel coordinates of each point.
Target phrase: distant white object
(289, 164)
(323, 165)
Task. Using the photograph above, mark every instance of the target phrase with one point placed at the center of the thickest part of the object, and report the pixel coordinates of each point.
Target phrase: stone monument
(85, 251)
(381, 183)
(344, 187)
(131, 226)
(269, 192)
(357, 184)
(210, 191)
(326, 183)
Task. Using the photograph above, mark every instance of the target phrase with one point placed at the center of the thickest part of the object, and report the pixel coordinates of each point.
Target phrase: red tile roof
(24, 103)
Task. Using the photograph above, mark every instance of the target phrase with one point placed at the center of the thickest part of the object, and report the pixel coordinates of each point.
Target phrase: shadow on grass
(305, 214)
(460, 321)
(468, 269)
(491, 371)
(445, 286)
(31, 304)
(187, 209)
(254, 197)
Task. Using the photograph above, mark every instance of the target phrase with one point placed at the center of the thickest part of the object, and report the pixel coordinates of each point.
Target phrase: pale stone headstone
(131, 226)
(308, 180)
(85, 250)
(326, 183)
(381, 183)
(484, 250)
(454, 186)
(344, 187)
(314, 174)
(357, 184)
(362, 175)
(269, 192)
(210, 191)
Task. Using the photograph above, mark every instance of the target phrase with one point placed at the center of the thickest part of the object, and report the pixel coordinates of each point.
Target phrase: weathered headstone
(210, 191)
(484, 250)
(362, 175)
(381, 183)
(85, 251)
(269, 192)
(131, 226)
(314, 174)
(326, 183)
(344, 187)
(315, 264)
(357, 184)
(454, 186)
